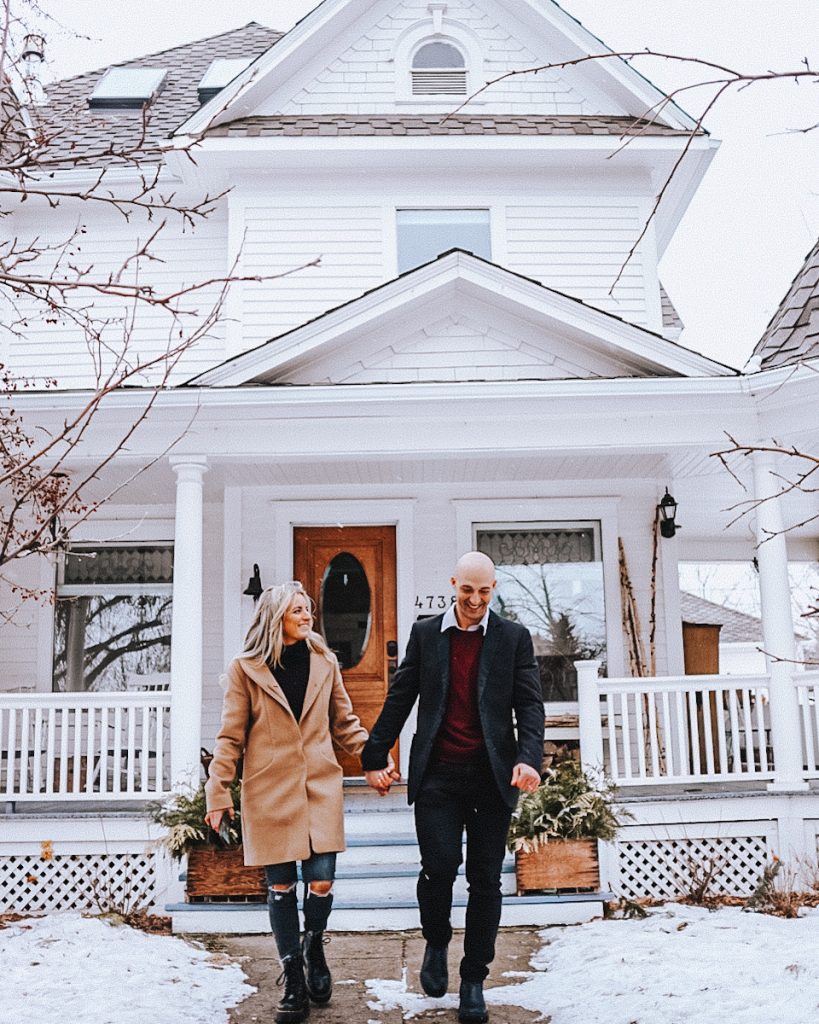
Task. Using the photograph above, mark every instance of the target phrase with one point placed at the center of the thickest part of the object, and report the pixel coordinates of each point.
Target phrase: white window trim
(488, 208)
(146, 524)
(47, 649)
(471, 516)
(413, 39)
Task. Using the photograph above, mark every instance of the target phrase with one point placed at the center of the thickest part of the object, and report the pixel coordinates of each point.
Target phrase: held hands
(381, 779)
(525, 778)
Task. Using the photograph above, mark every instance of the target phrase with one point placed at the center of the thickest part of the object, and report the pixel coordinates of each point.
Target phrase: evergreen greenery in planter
(568, 804)
(183, 815)
(216, 870)
(554, 831)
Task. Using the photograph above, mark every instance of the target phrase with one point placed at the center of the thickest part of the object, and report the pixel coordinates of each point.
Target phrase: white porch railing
(677, 729)
(684, 729)
(84, 746)
(807, 689)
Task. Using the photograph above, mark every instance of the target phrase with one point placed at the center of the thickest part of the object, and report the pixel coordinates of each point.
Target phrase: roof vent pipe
(32, 58)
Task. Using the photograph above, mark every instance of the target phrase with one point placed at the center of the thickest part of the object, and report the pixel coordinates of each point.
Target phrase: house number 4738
(430, 601)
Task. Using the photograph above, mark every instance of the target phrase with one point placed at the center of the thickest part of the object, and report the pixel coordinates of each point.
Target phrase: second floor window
(424, 234)
(438, 69)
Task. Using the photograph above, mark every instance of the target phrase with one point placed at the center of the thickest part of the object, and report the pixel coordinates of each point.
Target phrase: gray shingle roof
(84, 133)
(793, 333)
(431, 124)
(671, 318)
(737, 627)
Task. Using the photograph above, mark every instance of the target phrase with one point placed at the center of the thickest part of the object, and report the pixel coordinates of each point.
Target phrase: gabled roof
(737, 627)
(793, 333)
(672, 322)
(641, 352)
(80, 132)
(319, 29)
(432, 124)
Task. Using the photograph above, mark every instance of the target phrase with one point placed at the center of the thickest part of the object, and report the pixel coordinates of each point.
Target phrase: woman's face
(297, 621)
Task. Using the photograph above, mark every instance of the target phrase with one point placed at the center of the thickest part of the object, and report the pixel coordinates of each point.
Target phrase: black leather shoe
(294, 1006)
(434, 973)
(473, 1008)
(317, 974)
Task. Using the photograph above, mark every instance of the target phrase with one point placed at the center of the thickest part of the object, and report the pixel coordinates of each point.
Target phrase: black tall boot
(294, 1005)
(318, 979)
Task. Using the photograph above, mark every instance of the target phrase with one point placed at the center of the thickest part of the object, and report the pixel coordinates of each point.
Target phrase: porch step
(395, 880)
(376, 881)
(386, 913)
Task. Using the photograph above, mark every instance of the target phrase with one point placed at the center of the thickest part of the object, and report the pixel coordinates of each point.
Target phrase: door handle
(392, 649)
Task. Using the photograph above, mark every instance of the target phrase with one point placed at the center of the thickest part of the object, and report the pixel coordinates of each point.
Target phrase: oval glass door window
(346, 609)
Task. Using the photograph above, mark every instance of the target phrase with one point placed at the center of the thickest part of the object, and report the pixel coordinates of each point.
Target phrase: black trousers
(454, 799)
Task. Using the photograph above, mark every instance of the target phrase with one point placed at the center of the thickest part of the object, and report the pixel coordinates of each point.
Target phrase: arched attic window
(438, 69)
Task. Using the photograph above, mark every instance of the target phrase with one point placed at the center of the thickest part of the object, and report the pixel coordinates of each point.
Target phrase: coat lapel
(264, 679)
(443, 666)
(320, 669)
(488, 649)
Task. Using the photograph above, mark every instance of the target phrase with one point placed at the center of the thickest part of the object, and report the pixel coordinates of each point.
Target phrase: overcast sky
(756, 214)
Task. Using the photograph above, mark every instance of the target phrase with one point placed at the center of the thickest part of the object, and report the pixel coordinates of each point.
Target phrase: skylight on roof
(221, 71)
(127, 88)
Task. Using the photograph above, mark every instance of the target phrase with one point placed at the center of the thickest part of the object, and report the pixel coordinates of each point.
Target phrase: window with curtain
(423, 235)
(550, 579)
(113, 619)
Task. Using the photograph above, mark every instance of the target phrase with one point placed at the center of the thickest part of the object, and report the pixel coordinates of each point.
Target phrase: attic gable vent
(126, 88)
(438, 69)
(221, 71)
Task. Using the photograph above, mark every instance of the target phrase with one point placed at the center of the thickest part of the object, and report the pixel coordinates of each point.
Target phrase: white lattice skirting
(665, 868)
(77, 881)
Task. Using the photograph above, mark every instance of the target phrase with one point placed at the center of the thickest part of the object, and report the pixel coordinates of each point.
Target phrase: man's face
(473, 592)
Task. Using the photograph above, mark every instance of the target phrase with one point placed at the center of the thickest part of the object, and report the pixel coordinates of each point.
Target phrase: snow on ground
(681, 964)
(79, 970)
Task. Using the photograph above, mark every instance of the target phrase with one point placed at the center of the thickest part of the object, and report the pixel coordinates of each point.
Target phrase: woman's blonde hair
(264, 641)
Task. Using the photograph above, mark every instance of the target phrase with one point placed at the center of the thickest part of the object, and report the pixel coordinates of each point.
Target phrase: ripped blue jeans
(283, 905)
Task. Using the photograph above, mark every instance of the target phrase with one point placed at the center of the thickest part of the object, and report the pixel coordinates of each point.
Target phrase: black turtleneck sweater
(292, 675)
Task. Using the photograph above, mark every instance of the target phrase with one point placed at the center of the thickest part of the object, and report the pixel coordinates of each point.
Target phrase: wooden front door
(349, 571)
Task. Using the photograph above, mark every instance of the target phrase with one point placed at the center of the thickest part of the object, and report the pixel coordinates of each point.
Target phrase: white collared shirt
(450, 620)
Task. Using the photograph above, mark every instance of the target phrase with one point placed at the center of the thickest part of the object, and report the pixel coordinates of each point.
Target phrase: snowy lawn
(680, 965)
(69, 969)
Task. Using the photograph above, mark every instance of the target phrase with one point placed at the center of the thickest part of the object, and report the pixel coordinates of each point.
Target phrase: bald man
(478, 743)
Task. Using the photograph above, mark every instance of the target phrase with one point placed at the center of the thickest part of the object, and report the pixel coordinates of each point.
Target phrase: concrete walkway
(355, 957)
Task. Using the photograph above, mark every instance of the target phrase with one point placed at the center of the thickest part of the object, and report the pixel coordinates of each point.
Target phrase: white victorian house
(438, 343)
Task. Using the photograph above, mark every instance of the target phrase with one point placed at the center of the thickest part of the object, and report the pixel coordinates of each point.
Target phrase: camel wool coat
(291, 781)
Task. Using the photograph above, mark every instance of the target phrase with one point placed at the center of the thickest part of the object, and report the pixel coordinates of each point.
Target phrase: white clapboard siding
(362, 79)
(348, 242)
(460, 348)
(182, 259)
(578, 247)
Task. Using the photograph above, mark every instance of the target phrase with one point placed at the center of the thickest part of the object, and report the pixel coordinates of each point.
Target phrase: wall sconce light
(667, 510)
(254, 585)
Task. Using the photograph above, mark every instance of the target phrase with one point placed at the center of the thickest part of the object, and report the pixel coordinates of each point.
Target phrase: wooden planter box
(565, 865)
(220, 875)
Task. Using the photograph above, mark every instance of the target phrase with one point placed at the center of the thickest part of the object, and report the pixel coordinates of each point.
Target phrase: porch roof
(639, 351)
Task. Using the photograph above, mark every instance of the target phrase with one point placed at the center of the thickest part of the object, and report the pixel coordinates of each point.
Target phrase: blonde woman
(284, 707)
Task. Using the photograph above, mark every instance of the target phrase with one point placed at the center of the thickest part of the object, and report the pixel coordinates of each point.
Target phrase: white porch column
(777, 627)
(589, 724)
(186, 628)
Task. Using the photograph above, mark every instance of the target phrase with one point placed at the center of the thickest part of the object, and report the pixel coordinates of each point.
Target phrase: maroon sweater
(460, 738)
